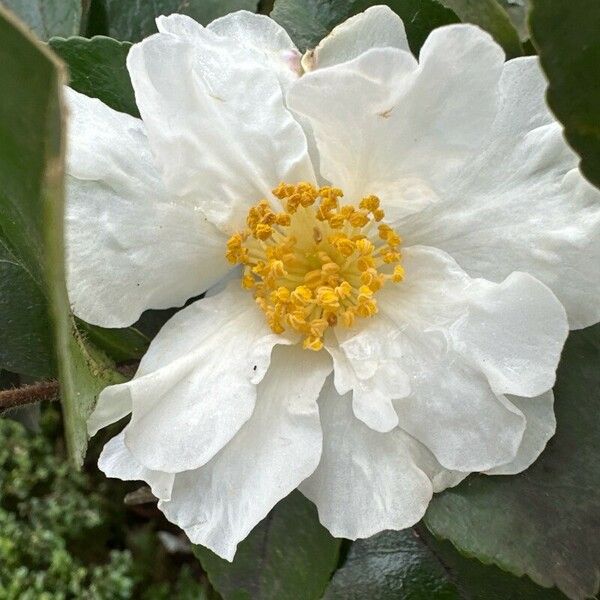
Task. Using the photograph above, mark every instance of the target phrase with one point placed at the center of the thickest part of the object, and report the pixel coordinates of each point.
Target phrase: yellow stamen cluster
(316, 263)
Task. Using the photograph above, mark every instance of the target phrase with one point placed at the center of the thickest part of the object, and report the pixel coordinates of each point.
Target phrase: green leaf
(566, 36)
(97, 69)
(25, 334)
(413, 564)
(31, 215)
(391, 564)
(134, 20)
(288, 556)
(489, 15)
(120, 344)
(517, 11)
(309, 21)
(543, 522)
(48, 17)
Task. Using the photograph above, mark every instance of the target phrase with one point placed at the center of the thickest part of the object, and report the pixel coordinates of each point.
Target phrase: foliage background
(66, 533)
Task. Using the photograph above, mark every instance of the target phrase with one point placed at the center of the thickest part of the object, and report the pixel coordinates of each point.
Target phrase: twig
(29, 394)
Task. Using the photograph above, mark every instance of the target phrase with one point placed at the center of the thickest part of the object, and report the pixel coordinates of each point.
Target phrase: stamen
(315, 264)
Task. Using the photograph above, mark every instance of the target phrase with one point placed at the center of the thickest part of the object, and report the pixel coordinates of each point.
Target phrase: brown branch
(28, 394)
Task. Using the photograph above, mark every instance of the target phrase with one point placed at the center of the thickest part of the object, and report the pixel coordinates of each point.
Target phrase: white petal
(377, 27)
(541, 425)
(216, 122)
(440, 477)
(268, 42)
(374, 383)
(130, 246)
(366, 481)
(514, 332)
(196, 385)
(387, 126)
(434, 326)
(220, 503)
(117, 461)
(112, 406)
(522, 204)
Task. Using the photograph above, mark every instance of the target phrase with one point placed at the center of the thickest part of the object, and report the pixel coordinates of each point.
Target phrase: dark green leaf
(25, 334)
(31, 214)
(288, 556)
(566, 36)
(48, 17)
(543, 522)
(391, 565)
(133, 20)
(97, 68)
(489, 15)
(309, 21)
(407, 565)
(120, 344)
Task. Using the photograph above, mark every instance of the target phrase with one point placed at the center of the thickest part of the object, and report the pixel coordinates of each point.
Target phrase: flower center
(316, 263)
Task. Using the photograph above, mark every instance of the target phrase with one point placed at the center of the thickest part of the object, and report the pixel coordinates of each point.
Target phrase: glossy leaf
(543, 522)
(97, 68)
(288, 556)
(412, 564)
(133, 20)
(31, 214)
(309, 21)
(48, 17)
(566, 36)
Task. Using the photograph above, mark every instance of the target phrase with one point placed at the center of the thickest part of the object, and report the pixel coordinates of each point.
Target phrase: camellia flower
(391, 250)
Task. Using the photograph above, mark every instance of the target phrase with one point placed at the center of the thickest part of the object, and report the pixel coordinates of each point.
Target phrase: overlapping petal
(541, 425)
(130, 245)
(366, 481)
(377, 27)
(387, 125)
(521, 204)
(459, 344)
(216, 120)
(220, 503)
(117, 461)
(196, 385)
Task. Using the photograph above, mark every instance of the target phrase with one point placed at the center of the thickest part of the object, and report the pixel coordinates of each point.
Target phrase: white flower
(440, 349)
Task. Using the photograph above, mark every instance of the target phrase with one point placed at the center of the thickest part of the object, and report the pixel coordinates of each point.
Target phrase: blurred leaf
(414, 565)
(31, 215)
(120, 344)
(133, 20)
(543, 522)
(48, 17)
(567, 37)
(97, 69)
(517, 11)
(309, 21)
(489, 15)
(287, 556)
(25, 335)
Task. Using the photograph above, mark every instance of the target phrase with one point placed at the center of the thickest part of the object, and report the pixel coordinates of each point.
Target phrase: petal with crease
(377, 27)
(521, 204)
(130, 245)
(366, 481)
(196, 385)
(117, 461)
(216, 122)
(541, 425)
(387, 125)
(220, 503)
